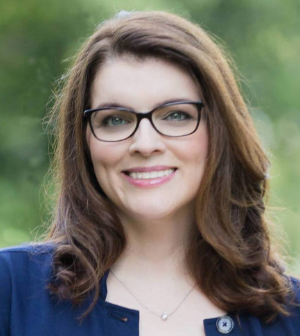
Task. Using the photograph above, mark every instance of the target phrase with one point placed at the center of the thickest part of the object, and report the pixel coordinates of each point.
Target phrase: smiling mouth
(150, 175)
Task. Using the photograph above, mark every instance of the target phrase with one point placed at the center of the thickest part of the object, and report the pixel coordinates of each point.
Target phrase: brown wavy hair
(229, 254)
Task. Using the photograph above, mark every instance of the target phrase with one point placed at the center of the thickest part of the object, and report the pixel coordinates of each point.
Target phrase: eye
(177, 116)
(114, 121)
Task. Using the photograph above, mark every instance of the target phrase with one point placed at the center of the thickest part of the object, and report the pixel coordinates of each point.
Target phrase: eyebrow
(114, 104)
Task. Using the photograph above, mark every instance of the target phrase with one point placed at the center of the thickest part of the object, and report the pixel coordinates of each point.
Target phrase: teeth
(151, 175)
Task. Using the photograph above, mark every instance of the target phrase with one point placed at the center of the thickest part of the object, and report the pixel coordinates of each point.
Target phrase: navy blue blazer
(28, 309)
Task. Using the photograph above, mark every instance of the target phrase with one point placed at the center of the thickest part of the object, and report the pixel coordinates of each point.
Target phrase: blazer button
(225, 324)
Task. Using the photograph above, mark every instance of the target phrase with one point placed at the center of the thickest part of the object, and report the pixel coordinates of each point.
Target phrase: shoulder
(291, 323)
(282, 325)
(16, 258)
(20, 264)
(293, 301)
(28, 248)
(295, 285)
(295, 281)
(22, 269)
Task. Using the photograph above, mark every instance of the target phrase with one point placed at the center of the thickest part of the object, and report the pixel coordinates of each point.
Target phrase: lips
(148, 169)
(149, 177)
(146, 173)
(152, 175)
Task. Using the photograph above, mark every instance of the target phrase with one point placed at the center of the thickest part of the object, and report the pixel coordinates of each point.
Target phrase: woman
(160, 225)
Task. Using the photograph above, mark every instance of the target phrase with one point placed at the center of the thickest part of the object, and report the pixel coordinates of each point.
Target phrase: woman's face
(143, 85)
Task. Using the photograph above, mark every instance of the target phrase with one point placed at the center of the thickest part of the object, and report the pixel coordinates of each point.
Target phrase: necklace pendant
(164, 317)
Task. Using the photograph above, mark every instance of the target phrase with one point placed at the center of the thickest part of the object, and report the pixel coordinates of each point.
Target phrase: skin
(156, 220)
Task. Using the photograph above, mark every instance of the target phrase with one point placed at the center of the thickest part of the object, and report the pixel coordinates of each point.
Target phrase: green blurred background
(37, 42)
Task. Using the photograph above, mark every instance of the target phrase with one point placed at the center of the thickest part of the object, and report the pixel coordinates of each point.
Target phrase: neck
(155, 245)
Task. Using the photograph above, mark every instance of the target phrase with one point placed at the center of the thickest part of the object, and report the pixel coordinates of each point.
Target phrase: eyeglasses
(176, 119)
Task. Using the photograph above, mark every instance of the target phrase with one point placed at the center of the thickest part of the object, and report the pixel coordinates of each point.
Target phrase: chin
(151, 212)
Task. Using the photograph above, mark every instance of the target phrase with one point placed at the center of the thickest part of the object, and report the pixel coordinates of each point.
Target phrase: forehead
(141, 84)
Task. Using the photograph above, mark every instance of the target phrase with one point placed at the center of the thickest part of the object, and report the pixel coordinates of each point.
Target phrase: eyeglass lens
(116, 124)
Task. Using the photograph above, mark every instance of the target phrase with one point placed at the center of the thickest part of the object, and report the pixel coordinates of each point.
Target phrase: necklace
(163, 316)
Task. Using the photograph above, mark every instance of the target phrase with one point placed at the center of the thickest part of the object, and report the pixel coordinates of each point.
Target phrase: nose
(146, 140)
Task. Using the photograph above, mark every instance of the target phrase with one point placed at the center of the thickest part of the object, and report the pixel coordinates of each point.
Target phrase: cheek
(194, 151)
(105, 156)
(101, 153)
(195, 157)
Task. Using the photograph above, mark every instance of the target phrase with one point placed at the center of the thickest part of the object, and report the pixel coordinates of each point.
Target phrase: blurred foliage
(38, 40)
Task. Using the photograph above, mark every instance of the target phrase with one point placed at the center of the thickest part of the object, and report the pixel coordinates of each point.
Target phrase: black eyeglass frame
(148, 115)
